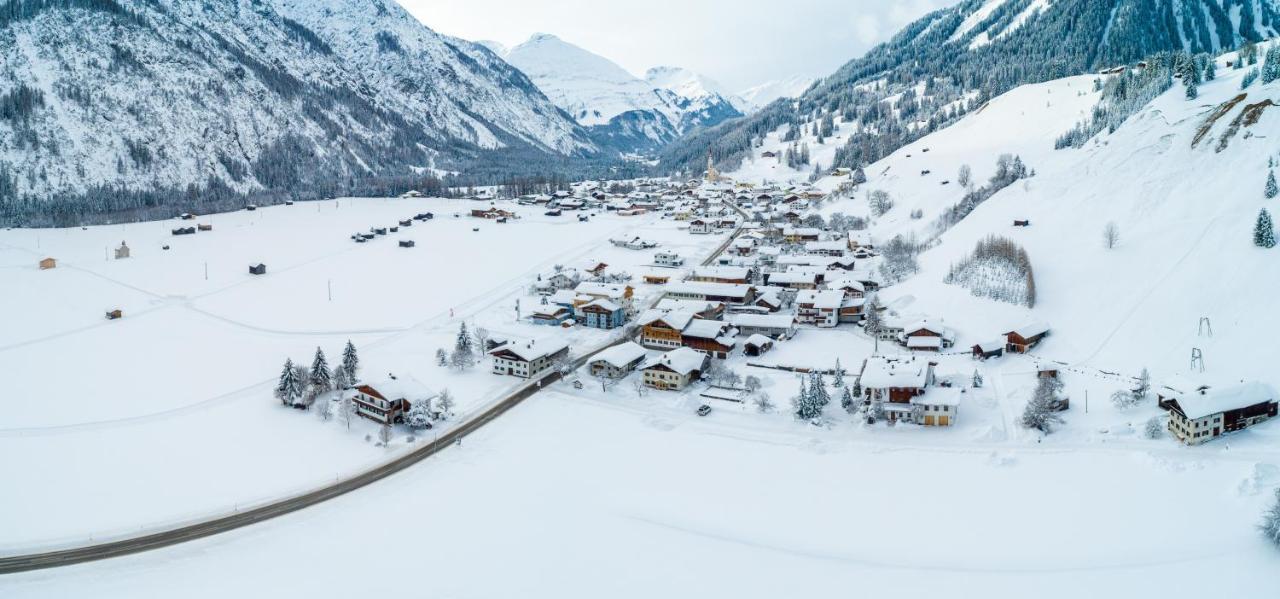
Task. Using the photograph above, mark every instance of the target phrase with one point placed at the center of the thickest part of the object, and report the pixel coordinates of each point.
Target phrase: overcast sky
(739, 43)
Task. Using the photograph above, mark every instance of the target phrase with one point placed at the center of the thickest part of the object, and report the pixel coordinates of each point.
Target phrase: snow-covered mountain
(114, 100)
(953, 60)
(756, 97)
(710, 102)
(620, 110)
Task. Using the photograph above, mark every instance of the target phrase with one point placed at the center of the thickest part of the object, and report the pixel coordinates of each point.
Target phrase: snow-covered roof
(676, 319)
(1212, 401)
(793, 277)
(695, 306)
(882, 372)
(825, 299)
(757, 340)
(710, 288)
(923, 342)
(532, 349)
(1030, 330)
(604, 304)
(702, 328)
(763, 321)
(609, 290)
(681, 361)
(399, 387)
(990, 346)
(722, 272)
(620, 356)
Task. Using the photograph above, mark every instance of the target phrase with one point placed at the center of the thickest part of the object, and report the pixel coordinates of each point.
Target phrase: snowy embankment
(175, 398)
(727, 506)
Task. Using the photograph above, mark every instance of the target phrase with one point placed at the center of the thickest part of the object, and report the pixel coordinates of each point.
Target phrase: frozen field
(583, 497)
(175, 398)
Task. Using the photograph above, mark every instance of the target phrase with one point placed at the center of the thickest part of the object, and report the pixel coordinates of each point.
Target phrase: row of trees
(300, 385)
(468, 347)
(999, 269)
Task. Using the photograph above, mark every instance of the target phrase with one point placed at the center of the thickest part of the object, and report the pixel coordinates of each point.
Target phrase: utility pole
(206, 271)
(330, 289)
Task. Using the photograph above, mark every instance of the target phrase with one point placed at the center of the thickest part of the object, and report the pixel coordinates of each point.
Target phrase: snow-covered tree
(482, 338)
(847, 402)
(1270, 525)
(442, 357)
(351, 362)
(1122, 399)
(977, 379)
(419, 416)
(858, 176)
(879, 201)
(1154, 429)
(1210, 69)
(818, 389)
(1041, 412)
(762, 402)
(321, 377)
(965, 176)
(837, 380)
(341, 380)
(1143, 389)
(1270, 190)
(1264, 232)
(803, 405)
(751, 383)
(289, 387)
(346, 410)
(324, 410)
(872, 323)
(1111, 235)
(464, 355)
(384, 435)
(444, 404)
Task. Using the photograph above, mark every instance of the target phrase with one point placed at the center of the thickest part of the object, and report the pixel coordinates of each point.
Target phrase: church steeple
(712, 175)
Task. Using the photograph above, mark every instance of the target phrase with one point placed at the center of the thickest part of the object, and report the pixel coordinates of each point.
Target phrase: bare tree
(324, 410)
(385, 435)
(763, 403)
(346, 410)
(1111, 235)
(641, 388)
(965, 176)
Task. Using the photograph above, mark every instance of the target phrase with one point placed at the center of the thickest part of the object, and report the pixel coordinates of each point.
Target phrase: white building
(617, 361)
(675, 369)
(528, 359)
(668, 259)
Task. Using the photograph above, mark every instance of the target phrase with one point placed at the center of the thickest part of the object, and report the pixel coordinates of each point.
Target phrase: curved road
(88, 553)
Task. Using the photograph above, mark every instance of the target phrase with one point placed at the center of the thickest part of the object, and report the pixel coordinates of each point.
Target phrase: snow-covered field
(175, 398)
(578, 496)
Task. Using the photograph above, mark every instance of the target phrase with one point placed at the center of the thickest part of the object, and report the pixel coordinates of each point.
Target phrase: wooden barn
(258, 269)
(1022, 339)
(48, 263)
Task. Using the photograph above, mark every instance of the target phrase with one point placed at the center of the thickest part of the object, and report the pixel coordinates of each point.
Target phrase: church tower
(712, 175)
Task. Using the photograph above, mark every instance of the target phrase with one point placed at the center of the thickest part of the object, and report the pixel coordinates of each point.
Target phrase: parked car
(704, 409)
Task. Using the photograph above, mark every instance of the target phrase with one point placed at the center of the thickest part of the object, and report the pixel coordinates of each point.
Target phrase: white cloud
(739, 42)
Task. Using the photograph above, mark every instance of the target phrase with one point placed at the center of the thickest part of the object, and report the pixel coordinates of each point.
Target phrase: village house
(834, 249)
(529, 358)
(774, 326)
(668, 259)
(384, 402)
(258, 269)
(801, 234)
(699, 308)
(727, 293)
(851, 308)
(553, 315)
(793, 279)
(662, 330)
(48, 263)
(899, 388)
(122, 252)
(617, 361)
(601, 314)
(1208, 413)
(988, 349)
(701, 226)
(712, 337)
(757, 345)
(675, 369)
(926, 335)
(721, 274)
(616, 293)
(860, 239)
(657, 279)
(819, 308)
(1021, 340)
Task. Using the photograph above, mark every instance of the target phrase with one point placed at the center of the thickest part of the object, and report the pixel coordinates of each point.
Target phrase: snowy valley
(912, 337)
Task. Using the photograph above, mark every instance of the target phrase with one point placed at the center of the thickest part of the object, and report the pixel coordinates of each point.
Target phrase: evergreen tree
(289, 388)
(858, 177)
(872, 323)
(350, 361)
(463, 356)
(321, 377)
(847, 402)
(1210, 69)
(818, 389)
(977, 379)
(1144, 387)
(803, 404)
(1264, 233)
(442, 357)
(1270, 190)
(837, 380)
(444, 404)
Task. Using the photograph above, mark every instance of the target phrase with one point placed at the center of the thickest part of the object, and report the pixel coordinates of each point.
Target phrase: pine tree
(847, 402)
(871, 322)
(803, 404)
(818, 389)
(1264, 233)
(321, 378)
(1041, 412)
(444, 404)
(350, 361)
(1144, 387)
(289, 388)
(977, 379)
(837, 380)
(1270, 190)
(1210, 69)
(463, 350)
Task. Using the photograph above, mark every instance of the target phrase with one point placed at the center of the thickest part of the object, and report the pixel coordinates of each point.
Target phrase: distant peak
(543, 37)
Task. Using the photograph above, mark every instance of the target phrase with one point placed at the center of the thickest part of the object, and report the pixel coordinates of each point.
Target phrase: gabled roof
(881, 372)
(680, 361)
(533, 349)
(826, 299)
(705, 329)
(676, 319)
(603, 304)
(1034, 329)
(775, 321)
(758, 340)
(621, 356)
(1196, 405)
(609, 290)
